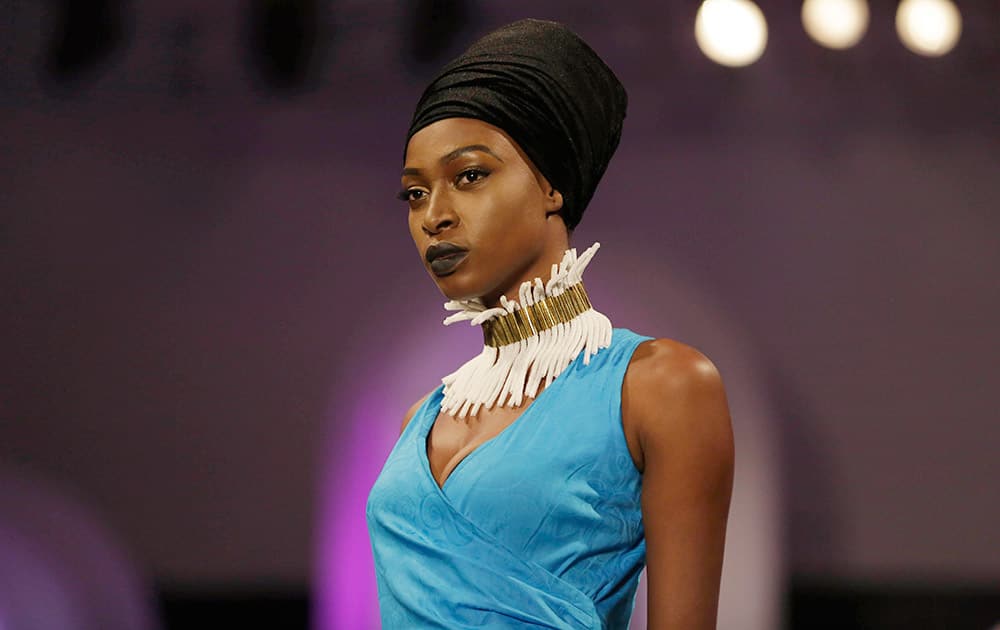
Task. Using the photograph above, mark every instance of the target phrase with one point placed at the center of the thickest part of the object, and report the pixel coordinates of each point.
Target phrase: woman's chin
(454, 289)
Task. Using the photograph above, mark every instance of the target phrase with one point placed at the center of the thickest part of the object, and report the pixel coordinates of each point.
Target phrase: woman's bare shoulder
(657, 358)
(666, 375)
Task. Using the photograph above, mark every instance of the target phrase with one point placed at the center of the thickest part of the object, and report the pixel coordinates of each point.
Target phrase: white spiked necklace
(544, 330)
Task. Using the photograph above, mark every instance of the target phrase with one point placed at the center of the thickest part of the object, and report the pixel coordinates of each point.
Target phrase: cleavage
(450, 441)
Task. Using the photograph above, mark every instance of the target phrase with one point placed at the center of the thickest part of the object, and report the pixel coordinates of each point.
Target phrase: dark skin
(468, 183)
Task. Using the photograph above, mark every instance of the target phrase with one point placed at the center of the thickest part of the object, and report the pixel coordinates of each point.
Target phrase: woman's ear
(553, 198)
(553, 201)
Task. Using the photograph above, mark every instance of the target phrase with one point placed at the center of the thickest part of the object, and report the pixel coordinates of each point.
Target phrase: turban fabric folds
(549, 91)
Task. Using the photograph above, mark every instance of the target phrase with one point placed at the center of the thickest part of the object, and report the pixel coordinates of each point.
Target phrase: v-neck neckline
(434, 411)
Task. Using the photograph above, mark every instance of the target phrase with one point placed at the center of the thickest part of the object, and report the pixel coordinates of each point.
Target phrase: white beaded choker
(544, 331)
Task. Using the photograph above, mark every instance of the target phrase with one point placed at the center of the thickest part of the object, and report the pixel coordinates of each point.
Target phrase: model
(532, 487)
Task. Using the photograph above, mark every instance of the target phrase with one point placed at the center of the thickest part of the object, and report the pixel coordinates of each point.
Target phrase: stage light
(835, 23)
(928, 27)
(731, 32)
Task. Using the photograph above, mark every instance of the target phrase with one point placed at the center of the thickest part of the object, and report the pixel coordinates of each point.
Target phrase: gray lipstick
(445, 264)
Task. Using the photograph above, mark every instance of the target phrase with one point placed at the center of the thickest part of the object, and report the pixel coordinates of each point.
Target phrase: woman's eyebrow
(453, 155)
(468, 149)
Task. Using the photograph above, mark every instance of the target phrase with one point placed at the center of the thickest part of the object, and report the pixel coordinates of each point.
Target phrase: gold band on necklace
(529, 320)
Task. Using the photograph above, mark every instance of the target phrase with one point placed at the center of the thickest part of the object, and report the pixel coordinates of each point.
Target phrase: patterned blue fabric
(540, 526)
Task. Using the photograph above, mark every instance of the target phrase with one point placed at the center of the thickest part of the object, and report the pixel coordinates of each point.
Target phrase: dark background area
(205, 275)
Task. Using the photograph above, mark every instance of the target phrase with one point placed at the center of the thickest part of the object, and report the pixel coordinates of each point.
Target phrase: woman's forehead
(441, 138)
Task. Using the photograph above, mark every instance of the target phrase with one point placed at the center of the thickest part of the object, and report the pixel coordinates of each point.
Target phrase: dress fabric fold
(539, 527)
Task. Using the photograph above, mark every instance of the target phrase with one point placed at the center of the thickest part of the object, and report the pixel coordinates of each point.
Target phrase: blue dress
(540, 526)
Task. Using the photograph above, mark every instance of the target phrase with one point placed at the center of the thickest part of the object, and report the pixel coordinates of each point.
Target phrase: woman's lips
(443, 265)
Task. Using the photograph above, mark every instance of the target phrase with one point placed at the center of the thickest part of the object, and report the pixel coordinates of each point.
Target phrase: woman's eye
(410, 195)
(472, 175)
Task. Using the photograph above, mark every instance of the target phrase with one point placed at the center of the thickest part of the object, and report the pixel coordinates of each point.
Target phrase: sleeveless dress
(540, 526)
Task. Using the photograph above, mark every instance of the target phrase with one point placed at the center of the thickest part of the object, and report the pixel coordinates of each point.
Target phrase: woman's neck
(554, 254)
(546, 324)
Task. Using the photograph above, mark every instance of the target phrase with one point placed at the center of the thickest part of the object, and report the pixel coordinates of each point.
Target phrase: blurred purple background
(213, 316)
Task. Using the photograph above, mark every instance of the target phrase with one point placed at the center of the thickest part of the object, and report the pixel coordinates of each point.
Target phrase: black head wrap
(549, 91)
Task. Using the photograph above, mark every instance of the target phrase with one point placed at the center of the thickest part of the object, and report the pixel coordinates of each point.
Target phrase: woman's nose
(440, 214)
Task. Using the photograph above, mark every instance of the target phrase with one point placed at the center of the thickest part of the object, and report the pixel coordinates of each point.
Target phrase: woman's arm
(676, 401)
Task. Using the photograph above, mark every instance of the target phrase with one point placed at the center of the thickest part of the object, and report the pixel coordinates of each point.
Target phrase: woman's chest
(533, 446)
(451, 439)
(539, 477)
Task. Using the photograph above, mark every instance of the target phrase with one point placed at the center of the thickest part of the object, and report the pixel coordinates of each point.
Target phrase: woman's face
(470, 186)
